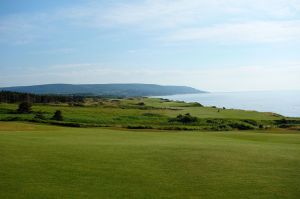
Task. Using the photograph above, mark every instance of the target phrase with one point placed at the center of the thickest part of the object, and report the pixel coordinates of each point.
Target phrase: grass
(137, 112)
(40, 161)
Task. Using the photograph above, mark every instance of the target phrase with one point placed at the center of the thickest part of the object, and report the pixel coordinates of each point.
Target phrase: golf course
(43, 161)
(149, 99)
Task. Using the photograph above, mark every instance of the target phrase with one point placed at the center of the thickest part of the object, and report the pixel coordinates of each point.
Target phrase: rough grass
(39, 161)
(132, 112)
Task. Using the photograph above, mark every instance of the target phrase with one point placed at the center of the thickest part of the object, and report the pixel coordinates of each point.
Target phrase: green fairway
(40, 161)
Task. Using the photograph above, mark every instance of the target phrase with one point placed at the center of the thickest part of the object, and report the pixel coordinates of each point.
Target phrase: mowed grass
(39, 161)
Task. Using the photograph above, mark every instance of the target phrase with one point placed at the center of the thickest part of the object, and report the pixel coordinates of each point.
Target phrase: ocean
(286, 103)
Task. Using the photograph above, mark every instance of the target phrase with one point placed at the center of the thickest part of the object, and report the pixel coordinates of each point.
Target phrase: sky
(215, 45)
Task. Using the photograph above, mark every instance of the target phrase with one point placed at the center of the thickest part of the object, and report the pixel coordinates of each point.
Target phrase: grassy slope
(126, 112)
(39, 161)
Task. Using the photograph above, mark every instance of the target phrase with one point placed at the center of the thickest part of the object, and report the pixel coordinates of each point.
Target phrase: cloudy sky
(215, 45)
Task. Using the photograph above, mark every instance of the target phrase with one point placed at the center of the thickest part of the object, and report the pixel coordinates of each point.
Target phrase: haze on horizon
(216, 45)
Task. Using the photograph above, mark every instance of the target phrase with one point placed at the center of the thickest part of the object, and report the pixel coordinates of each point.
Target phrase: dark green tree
(57, 116)
(24, 107)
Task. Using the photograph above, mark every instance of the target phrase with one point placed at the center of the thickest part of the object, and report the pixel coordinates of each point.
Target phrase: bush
(141, 104)
(58, 116)
(185, 119)
(175, 128)
(223, 124)
(139, 127)
(24, 107)
(39, 115)
(221, 127)
(9, 119)
(252, 122)
(78, 104)
(241, 126)
(67, 124)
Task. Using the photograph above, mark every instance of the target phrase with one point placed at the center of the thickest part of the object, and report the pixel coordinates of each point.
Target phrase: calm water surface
(286, 103)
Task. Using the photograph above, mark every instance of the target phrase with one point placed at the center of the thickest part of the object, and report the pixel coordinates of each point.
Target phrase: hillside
(105, 89)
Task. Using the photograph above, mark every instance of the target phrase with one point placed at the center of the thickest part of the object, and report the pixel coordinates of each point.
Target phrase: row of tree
(15, 97)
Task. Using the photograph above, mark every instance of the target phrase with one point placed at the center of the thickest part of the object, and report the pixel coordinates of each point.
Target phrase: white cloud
(24, 28)
(174, 13)
(153, 14)
(55, 51)
(252, 32)
(184, 20)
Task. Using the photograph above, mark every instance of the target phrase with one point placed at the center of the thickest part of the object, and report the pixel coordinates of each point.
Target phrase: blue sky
(216, 45)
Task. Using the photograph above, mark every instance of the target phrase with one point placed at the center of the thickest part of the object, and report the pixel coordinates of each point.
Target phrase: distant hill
(105, 89)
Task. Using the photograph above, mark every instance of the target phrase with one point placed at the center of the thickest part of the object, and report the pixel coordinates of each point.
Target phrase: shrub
(39, 115)
(57, 116)
(78, 104)
(24, 107)
(67, 124)
(185, 119)
(11, 119)
(141, 104)
(139, 127)
(241, 126)
(176, 128)
(252, 122)
(221, 127)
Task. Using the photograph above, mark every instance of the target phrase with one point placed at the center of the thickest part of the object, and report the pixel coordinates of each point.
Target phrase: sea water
(286, 103)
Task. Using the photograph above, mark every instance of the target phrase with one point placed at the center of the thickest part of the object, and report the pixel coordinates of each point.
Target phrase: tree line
(15, 97)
